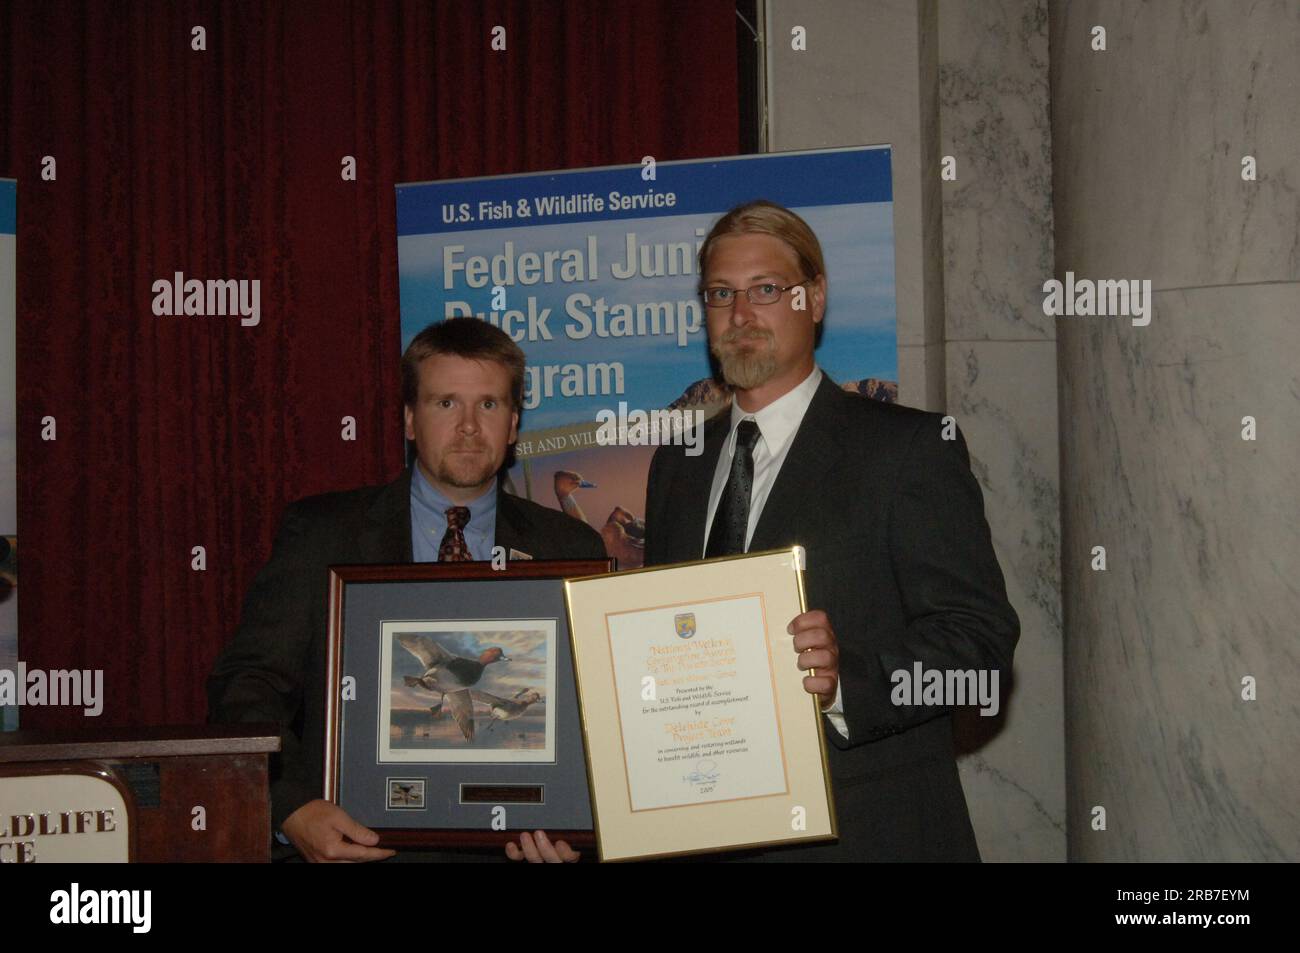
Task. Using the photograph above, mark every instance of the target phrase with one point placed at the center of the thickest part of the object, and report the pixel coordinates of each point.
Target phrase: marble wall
(1138, 176)
(861, 82)
(1201, 528)
(970, 80)
(1000, 385)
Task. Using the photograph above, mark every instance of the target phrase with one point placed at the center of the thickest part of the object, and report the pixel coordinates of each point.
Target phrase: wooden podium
(191, 793)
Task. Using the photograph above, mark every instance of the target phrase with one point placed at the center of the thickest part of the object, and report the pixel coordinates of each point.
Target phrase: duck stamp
(406, 794)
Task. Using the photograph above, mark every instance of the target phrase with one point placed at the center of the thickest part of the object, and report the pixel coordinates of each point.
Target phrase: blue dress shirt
(429, 520)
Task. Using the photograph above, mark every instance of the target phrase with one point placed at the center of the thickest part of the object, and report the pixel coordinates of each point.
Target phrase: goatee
(465, 474)
(745, 368)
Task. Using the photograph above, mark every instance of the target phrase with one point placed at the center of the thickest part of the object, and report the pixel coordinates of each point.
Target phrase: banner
(593, 272)
(8, 442)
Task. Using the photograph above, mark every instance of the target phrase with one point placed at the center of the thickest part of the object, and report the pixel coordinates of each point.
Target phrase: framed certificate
(699, 734)
(451, 718)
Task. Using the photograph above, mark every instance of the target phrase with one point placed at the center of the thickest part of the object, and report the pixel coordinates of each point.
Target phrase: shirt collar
(481, 510)
(778, 421)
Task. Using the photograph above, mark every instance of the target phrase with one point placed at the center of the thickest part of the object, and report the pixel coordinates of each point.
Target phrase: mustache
(732, 335)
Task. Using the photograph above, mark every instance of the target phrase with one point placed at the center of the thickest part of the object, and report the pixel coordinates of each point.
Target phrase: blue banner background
(844, 194)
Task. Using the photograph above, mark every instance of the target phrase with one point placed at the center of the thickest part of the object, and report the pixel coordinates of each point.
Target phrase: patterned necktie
(454, 549)
(731, 521)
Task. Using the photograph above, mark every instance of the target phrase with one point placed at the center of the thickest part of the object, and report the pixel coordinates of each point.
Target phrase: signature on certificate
(706, 772)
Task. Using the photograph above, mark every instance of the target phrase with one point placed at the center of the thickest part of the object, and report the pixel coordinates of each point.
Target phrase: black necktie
(731, 521)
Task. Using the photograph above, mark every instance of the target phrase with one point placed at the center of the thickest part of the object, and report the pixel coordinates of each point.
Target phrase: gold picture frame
(699, 735)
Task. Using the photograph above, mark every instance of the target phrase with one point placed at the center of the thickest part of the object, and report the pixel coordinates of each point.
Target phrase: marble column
(967, 79)
(1000, 384)
(870, 76)
(1199, 596)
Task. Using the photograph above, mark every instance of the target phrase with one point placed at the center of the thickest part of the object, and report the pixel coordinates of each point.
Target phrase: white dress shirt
(778, 422)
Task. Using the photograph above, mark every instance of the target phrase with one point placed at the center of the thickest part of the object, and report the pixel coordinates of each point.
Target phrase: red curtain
(179, 432)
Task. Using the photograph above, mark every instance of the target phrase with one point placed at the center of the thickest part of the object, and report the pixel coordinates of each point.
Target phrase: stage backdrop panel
(593, 272)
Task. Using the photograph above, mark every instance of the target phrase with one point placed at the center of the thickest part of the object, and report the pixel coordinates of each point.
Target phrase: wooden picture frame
(425, 760)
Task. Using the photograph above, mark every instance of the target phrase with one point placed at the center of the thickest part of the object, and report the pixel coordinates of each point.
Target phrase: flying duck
(450, 676)
(507, 709)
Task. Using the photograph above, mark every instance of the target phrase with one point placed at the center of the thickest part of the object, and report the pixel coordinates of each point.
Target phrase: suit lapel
(386, 535)
(793, 498)
(514, 529)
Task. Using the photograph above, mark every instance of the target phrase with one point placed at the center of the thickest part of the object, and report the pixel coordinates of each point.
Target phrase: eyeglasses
(766, 293)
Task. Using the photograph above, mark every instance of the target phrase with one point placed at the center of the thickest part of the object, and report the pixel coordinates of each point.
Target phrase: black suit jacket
(900, 558)
(274, 668)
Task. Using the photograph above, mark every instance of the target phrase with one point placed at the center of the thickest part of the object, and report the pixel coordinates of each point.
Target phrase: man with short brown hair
(462, 389)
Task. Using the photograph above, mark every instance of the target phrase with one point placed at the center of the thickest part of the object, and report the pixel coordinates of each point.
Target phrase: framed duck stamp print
(452, 716)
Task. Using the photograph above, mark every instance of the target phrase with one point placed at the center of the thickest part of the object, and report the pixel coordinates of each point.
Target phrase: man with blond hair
(900, 569)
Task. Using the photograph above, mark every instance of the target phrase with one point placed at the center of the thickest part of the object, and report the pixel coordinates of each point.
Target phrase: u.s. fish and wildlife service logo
(685, 624)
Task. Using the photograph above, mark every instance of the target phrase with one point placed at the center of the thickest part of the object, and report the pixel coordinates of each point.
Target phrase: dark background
(176, 432)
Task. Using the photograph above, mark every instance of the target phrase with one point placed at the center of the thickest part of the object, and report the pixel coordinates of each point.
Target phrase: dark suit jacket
(900, 558)
(274, 668)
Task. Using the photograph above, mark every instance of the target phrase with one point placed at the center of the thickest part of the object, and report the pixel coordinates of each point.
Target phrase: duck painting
(507, 709)
(566, 481)
(623, 533)
(450, 676)
(624, 537)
